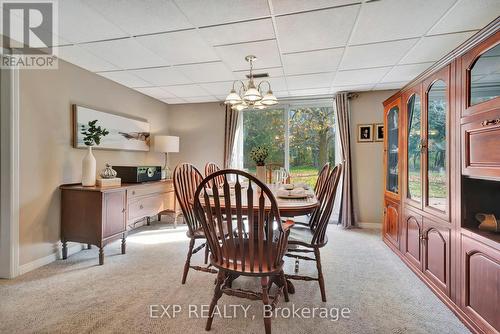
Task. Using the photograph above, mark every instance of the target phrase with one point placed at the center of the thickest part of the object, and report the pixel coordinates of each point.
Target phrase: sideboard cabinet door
(114, 213)
(436, 254)
(480, 281)
(391, 222)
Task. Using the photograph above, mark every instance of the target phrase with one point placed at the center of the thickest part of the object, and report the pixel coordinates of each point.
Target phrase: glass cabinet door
(437, 180)
(414, 176)
(392, 176)
(485, 77)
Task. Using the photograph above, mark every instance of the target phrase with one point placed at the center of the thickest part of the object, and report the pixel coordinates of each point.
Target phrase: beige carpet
(78, 296)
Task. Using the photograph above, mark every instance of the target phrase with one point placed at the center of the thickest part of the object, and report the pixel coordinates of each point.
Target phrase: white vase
(88, 169)
(261, 173)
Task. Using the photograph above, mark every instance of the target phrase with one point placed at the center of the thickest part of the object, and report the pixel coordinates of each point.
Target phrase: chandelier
(250, 96)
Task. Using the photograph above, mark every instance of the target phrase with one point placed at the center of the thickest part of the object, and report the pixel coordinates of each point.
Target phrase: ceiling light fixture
(249, 95)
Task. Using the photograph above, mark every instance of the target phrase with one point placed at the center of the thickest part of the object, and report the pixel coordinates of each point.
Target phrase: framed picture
(379, 132)
(365, 133)
(125, 133)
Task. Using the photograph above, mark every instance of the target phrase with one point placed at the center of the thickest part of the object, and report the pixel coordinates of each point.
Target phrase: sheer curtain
(346, 216)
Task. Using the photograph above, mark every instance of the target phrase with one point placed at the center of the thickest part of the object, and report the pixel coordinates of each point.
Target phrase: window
(300, 137)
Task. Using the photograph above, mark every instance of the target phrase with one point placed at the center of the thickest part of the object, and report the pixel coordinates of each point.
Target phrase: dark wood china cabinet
(442, 169)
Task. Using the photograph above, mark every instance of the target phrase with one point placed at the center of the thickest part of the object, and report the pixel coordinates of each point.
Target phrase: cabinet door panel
(480, 279)
(412, 229)
(391, 222)
(114, 213)
(436, 251)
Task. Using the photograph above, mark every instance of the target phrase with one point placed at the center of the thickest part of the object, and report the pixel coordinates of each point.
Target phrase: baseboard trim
(369, 225)
(27, 267)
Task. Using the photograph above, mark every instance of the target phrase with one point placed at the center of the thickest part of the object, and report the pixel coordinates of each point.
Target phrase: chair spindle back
(186, 179)
(210, 168)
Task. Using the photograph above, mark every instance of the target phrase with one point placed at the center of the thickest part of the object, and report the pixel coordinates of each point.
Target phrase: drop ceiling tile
(312, 61)
(217, 88)
(376, 55)
(186, 91)
(138, 17)
(203, 13)
(173, 101)
(291, 6)
(352, 88)
(207, 72)
(320, 29)
(155, 92)
(390, 85)
(432, 48)
(394, 19)
(80, 57)
(310, 91)
(468, 15)
(360, 77)
(162, 76)
(277, 84)
(181, 47)
(200, 99)
(125, 78)
(74, 17)
(234, 55)
(405, 72)
(321, 80)
(125, 53)
(273, 72)
(239, 32)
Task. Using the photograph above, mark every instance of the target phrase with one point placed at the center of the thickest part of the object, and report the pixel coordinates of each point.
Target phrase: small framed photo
(365, 133)
(379, 132)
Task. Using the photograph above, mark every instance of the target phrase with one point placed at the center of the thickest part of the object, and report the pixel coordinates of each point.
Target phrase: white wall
(367, 158)
(200, 127)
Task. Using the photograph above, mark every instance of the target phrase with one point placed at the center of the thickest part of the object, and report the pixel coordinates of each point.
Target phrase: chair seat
(234, 251)
(303, 235)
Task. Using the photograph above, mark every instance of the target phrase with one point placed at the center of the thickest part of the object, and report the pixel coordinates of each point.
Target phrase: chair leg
(217, 294)
(320, 274)
(264, 282)
(188, 261)
(285, 286)
(206, 252)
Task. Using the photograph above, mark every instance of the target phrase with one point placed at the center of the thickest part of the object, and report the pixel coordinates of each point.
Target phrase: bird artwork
(142, 136)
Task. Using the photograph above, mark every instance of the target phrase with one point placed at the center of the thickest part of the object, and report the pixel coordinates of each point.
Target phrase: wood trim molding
(9, 193)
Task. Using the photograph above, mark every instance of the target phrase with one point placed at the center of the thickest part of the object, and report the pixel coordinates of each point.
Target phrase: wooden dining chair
(282, 175)
(309, 238)
(322, 177)
(210, 168)
(186, 179)
(256, 252)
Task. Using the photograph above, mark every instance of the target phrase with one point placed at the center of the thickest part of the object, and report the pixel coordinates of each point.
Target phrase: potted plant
(259, 155)
(92, 136)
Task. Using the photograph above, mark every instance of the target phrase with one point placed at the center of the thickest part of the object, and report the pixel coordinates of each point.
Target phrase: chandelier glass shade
(249, 95)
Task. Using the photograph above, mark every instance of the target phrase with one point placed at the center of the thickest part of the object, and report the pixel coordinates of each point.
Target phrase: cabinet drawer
(149, 189)
(147, 206)
(481, 156)
(480, 281)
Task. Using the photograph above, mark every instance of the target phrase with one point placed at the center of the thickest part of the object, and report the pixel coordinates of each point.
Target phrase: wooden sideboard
(98, 216)
(442, 167)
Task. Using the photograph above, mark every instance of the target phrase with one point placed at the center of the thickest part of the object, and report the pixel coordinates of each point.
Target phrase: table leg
(101, 255)
(124, 245)
(64, 249)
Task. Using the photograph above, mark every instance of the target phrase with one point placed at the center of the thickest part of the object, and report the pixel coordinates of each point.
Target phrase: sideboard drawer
(481, 156)
(147, 206)
(149, 189)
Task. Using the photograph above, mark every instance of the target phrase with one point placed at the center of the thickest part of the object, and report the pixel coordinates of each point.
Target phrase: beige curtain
(231, 125)
(346, 216)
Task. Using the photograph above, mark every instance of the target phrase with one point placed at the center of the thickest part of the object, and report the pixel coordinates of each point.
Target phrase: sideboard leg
(124, 246)
(148, 221)
(101, 255)
(64, 250)
(89, 246)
